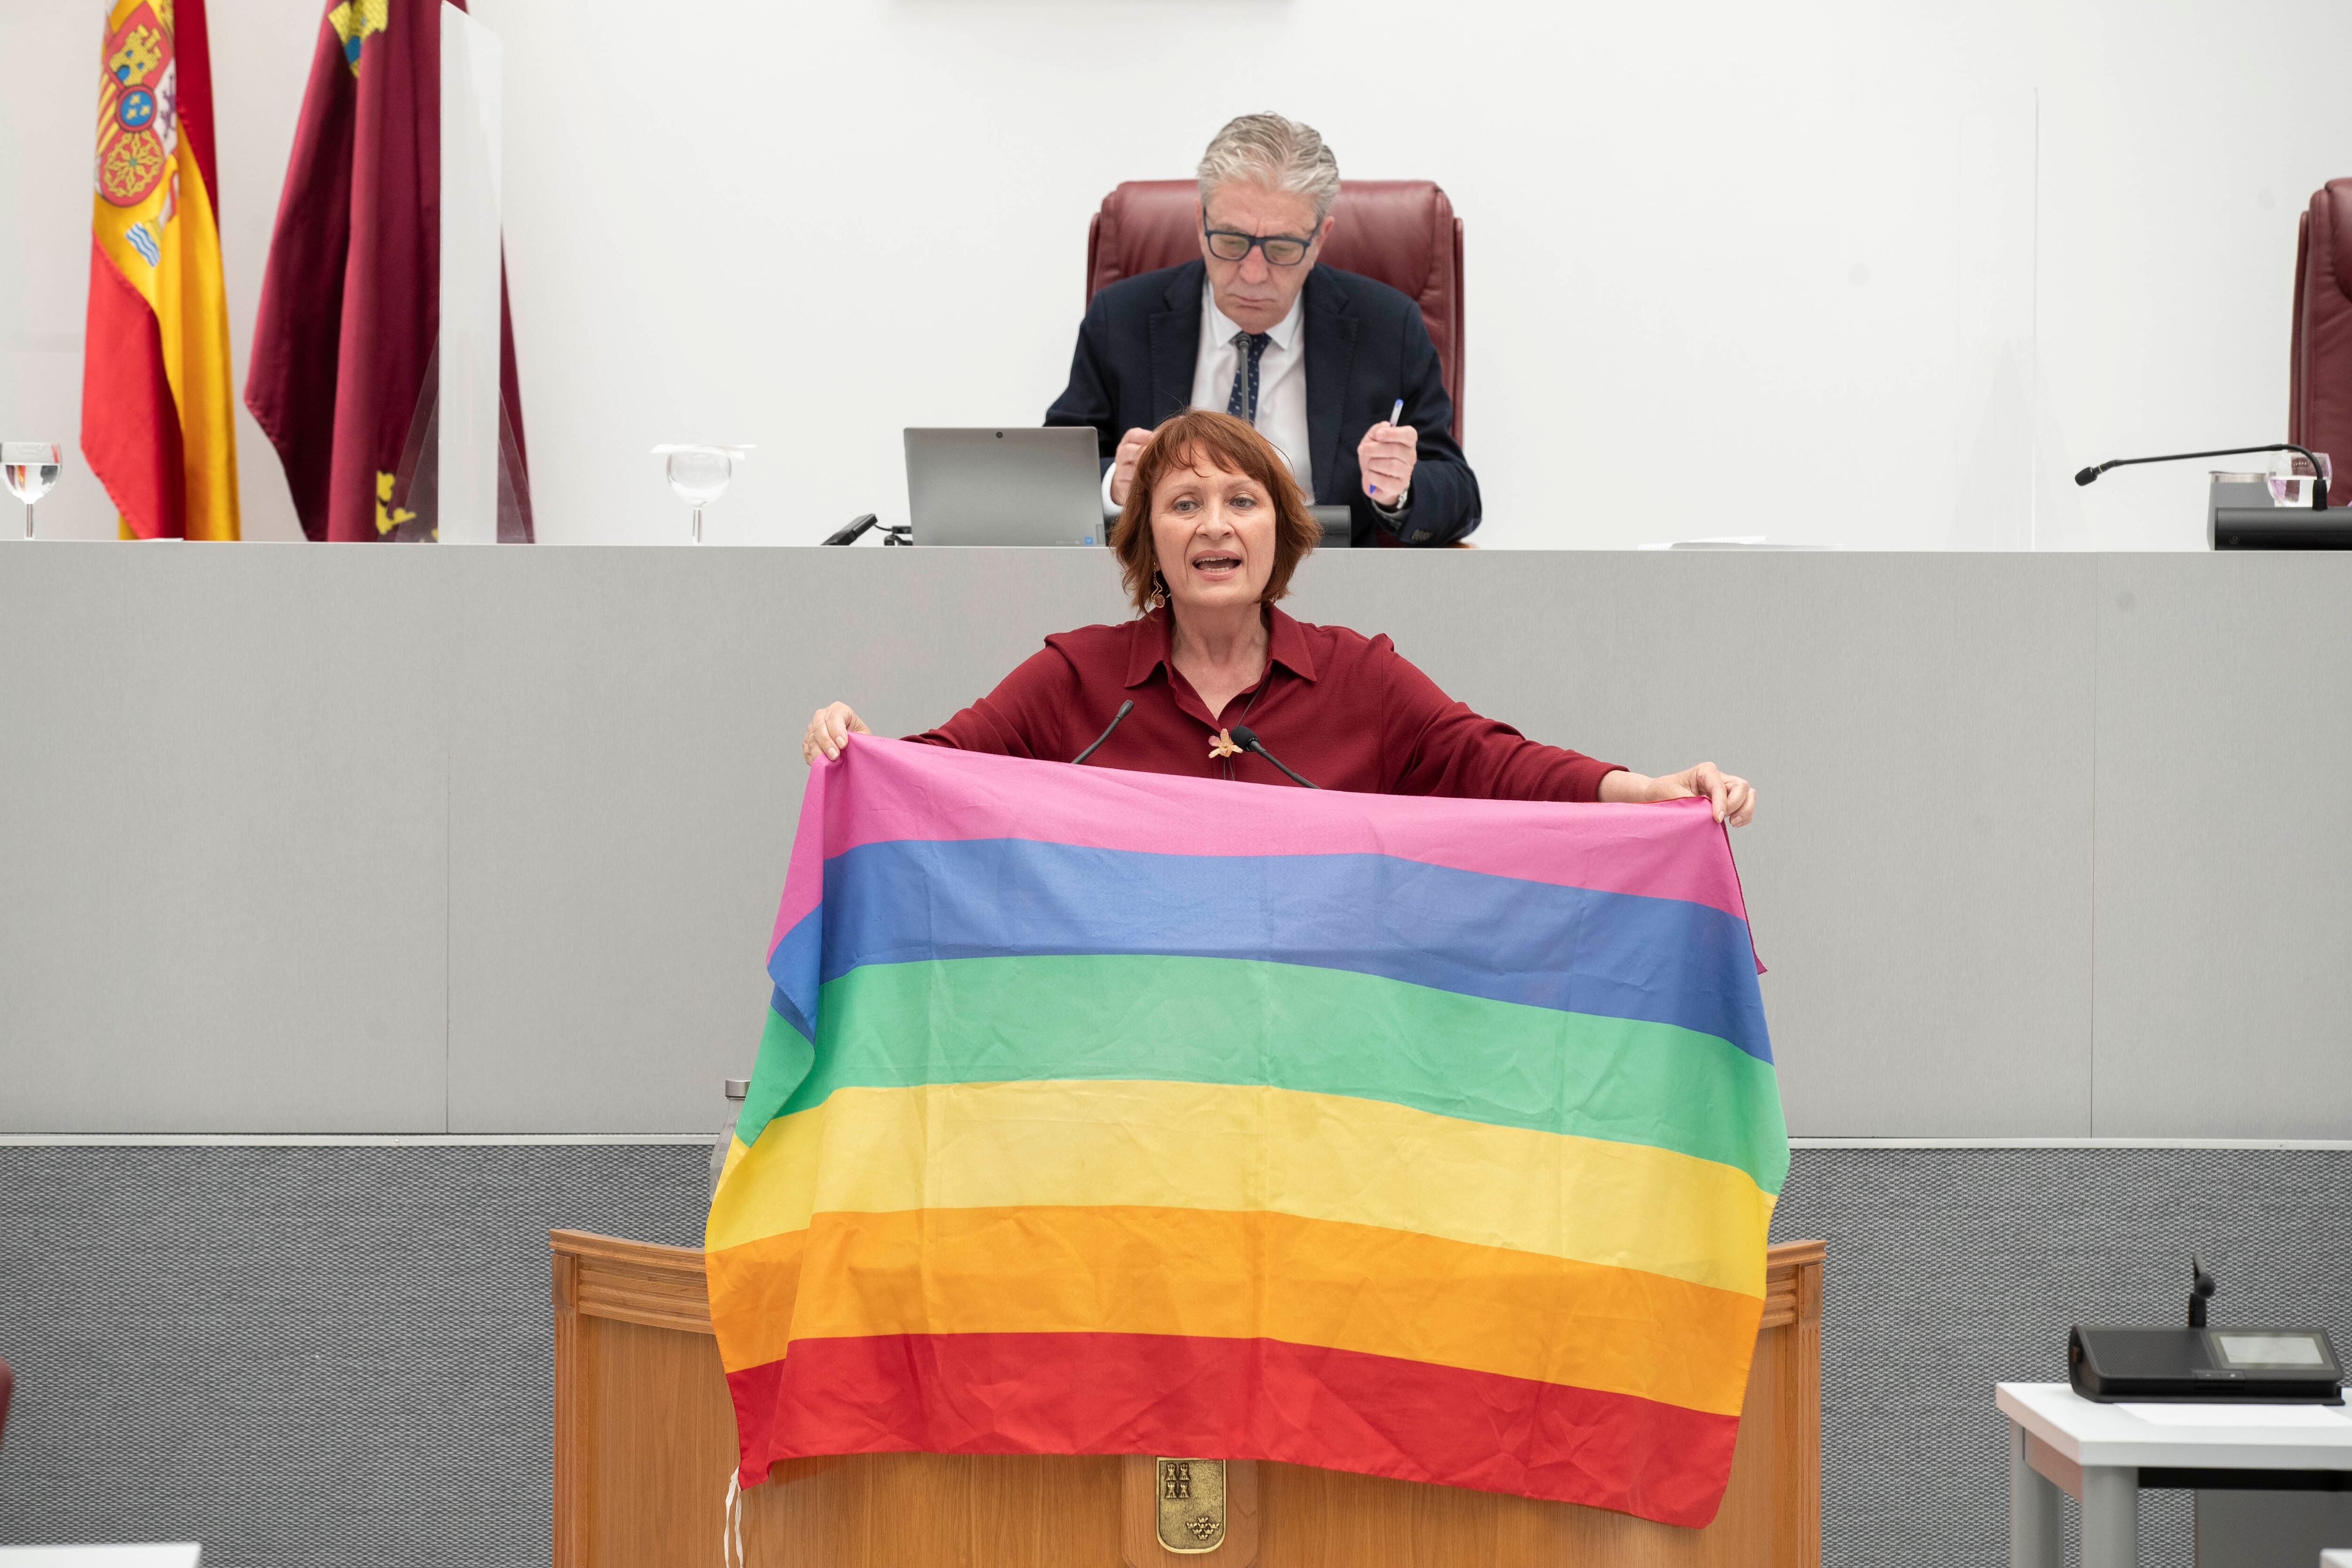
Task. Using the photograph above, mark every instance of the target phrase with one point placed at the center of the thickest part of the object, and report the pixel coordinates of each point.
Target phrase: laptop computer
(1009, 486)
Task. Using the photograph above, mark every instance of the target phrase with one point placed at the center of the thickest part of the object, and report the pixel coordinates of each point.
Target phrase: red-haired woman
(1214, 526)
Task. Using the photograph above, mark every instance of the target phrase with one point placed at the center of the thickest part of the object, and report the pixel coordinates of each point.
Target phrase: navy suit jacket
(1366, 347)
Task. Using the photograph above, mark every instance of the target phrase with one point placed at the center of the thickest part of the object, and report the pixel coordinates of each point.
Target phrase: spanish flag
(157, 400)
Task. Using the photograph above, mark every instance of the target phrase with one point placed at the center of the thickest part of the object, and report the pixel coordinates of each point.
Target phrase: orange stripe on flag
(1229, 1275)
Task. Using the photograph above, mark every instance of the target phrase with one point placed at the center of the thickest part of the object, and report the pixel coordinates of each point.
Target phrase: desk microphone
(1124, 709)
(1247, 738)
(2318, 481)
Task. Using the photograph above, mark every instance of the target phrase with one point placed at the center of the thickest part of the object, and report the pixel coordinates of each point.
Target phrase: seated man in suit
(1313, 357)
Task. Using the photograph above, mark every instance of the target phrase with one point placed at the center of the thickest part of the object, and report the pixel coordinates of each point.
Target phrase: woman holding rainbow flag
(1105, 1114)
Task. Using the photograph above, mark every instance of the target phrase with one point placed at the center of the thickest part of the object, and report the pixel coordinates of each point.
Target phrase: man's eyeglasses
(1232, 244)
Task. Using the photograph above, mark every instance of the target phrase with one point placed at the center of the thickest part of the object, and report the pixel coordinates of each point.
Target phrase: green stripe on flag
(1328, 1032)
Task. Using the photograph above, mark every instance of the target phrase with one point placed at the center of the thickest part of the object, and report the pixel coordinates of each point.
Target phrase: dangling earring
(1159, 593)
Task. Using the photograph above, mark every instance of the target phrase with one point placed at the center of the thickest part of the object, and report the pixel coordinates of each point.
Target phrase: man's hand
(1122, 466)
(1387, 455)
(1733, 797)
(830, 730)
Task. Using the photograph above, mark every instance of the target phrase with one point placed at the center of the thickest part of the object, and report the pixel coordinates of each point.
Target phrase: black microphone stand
(1124, 709)
(1247, 738)
(2318, 478)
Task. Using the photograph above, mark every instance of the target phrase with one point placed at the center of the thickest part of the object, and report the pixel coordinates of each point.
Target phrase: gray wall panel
(2225, 846)
(223, 845)
(627, 778)
(288, 830)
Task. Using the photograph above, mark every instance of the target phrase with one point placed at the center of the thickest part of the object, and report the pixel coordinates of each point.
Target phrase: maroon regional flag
(343, 377)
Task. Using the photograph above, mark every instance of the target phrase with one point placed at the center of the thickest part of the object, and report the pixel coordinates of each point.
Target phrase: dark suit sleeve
(1444, 505)
(1087, 401)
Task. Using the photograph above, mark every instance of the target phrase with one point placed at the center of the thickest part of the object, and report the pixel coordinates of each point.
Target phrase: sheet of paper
(2235, 1415)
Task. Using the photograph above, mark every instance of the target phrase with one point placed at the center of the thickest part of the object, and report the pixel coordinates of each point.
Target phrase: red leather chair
(1401, 232)
(2319, 375)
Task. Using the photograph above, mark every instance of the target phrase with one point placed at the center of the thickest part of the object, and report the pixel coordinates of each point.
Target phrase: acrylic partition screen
(470, 191)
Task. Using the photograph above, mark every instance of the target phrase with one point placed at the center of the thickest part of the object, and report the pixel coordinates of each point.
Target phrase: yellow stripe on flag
(192, 311)
(1233, 1147)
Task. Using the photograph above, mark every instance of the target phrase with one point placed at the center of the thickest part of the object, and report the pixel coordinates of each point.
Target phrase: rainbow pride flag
(1107, 1112)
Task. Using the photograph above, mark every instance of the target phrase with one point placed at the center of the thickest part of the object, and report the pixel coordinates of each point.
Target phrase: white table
(154, 1554)
(2101, 1455)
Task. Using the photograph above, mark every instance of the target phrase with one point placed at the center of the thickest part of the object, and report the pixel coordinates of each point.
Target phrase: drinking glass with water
(29, 468)
(699, 475)
(2291, 477)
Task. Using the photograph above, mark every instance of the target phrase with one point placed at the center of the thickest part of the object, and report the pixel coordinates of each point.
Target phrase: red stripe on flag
(192, 54)
(1229, 1398)
(130, 422)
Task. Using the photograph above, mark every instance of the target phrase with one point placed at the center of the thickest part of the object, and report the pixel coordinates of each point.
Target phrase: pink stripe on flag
(804, 883)
(933, 792)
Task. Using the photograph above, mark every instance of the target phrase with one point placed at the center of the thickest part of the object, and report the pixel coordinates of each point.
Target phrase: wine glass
(29, 468)
(2290, 477)
(699, 475)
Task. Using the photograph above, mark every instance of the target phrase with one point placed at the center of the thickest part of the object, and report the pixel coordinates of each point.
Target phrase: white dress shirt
(1281, 379)
(1281, 383)
(1281, 388)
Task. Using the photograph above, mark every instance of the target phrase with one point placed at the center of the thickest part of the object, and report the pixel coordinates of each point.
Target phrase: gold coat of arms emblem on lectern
(1191, 1510)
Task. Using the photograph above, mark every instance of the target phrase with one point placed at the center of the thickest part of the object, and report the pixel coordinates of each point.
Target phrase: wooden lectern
(644, 1441)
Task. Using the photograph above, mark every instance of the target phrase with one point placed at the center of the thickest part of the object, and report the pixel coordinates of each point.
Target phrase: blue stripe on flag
(1615, 955)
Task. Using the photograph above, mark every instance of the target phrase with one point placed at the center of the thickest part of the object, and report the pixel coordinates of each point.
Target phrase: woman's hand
(1733, 797)
(830, 729)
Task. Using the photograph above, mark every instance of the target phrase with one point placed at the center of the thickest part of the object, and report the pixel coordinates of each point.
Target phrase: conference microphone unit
(1247, 738)
(1124, 709)
(2318, 479)
(2282, 527)
(892, 533)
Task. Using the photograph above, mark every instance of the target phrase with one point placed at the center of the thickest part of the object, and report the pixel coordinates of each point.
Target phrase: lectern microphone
(1247, 738)
(1124, 709)
(2318, 482)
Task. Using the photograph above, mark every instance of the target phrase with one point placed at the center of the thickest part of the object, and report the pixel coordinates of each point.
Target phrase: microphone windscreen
(1243, 736)
(2086, 475)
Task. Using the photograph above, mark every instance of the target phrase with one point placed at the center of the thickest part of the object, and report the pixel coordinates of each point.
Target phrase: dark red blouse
(1344, 710)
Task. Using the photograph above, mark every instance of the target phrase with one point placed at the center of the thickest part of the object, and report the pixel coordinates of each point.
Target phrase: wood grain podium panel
(644, 1441)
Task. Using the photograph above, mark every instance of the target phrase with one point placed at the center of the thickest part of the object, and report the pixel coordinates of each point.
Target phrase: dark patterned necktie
(1246, 374)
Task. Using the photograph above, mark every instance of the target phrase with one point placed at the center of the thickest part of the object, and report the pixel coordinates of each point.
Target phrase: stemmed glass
(2290, 477)
(29, 468)
(699, 475)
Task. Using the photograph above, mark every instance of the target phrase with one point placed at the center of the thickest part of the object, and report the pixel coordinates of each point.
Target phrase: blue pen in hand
(1394, 414)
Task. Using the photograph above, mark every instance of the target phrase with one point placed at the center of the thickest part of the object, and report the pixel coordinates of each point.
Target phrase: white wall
(1870, 274)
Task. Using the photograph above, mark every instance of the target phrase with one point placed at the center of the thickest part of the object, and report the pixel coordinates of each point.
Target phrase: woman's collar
(1150, 639)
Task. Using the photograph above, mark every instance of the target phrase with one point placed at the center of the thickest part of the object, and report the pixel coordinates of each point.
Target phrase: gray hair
(1280, 154)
